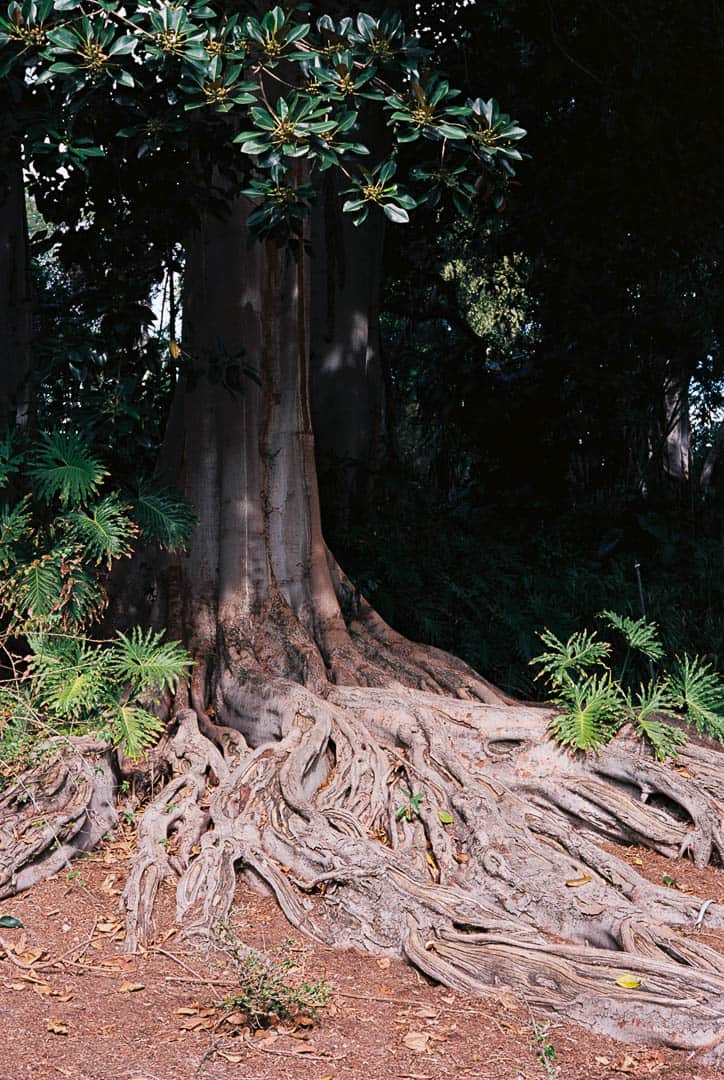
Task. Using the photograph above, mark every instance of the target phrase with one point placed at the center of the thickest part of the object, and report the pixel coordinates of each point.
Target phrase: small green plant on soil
(62, 527)
(544, 1050)
(599, 686)
(411, 807)
(272, 987)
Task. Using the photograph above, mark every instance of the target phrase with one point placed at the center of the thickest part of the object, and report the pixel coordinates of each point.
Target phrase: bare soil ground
(73, 1004)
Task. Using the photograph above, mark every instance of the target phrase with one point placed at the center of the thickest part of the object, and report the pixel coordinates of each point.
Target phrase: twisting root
(493, 878)
(55, 811)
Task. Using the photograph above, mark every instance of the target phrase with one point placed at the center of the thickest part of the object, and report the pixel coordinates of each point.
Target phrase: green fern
(164, 517)
(699, 692)
(134, 729)
(568, 659)
(35, 589)
(64, 467)
(103, 530)
(149, 663)
(640, 635)
(591, 713)
(651, 703)
(69, 676)
(84, 598)
(10, 462)
(15, 526)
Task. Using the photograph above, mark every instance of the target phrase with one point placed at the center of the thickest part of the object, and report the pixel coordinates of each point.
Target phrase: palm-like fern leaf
(103, 529)
(148, 662)
(639, 634)
(164, 516)
(565, 659)
(134, 729)
(9, 461)
(649, 708)
(35, 590)
(83, 598)
(69, 676)
(64, 466)
(14, 526)
(591, 712)
(699, 692)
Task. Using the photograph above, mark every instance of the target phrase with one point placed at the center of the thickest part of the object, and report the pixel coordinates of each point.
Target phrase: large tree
(386, 794)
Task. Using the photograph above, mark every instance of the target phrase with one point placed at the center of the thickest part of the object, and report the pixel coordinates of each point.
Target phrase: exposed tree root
(59, 809)
(515, 892)
(497, 881)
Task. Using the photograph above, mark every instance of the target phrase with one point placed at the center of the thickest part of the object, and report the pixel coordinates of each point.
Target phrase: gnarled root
(56, 811)
(494, 877)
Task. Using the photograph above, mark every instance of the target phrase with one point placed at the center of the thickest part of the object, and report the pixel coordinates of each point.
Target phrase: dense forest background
(553, 387)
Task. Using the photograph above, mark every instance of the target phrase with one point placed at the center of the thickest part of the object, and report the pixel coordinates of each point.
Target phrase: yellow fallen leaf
(628, 982)
(57, 1027)
(130, 987)
(584, 879)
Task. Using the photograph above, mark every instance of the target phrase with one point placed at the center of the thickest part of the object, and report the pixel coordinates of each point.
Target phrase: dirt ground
(72, 1004)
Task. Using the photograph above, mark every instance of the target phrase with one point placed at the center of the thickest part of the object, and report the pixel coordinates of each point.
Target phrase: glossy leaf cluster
(291, 96)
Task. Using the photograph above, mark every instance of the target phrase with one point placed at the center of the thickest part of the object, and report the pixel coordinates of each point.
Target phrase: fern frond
(104, 529)
(565, 660)
(651, 704)
(591, 713)
(164, 517)
(699, 692)
(68, 675)
(84, 598)
(35, 589)
(148, 662)
(15, 525)
(64, 466)
(10, 462)
(639, 634)
(134, 729)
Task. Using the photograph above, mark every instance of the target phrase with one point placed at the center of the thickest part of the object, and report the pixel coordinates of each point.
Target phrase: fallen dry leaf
(31, 956)
(584, 879)
(417, 1041)
(628, 982)
(509, 1002)
(57, 1027)
(130, 987)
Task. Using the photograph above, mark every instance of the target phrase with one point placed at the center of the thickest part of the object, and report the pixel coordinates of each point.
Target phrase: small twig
(84, 948)
(199, 978)
(281, 1053)
(33, 969)
(207, 982)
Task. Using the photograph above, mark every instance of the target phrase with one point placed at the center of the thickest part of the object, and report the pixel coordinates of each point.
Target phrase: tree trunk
(711, 460)
(15, 286)
(347, 384)
(677, 427)
(387, 796)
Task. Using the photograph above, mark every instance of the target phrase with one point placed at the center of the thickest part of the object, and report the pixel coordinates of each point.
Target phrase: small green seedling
(411, 808)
